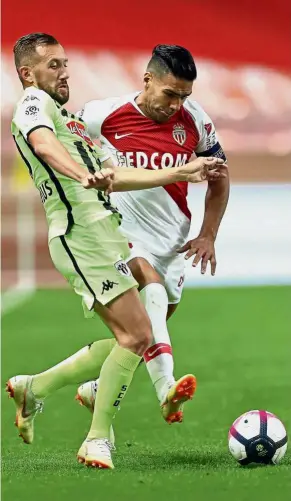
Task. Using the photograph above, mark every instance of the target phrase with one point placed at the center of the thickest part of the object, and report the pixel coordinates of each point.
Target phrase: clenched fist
(204, 168)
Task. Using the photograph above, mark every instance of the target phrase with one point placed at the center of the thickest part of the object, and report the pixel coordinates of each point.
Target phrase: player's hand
(100, 180)
(203, 250)
(204, 168)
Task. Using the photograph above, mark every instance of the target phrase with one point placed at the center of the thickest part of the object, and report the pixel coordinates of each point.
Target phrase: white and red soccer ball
(257, 437)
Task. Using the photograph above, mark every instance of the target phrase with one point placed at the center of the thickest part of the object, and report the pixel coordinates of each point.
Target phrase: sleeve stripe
(212, 152)
(58, 186)
(38, 127)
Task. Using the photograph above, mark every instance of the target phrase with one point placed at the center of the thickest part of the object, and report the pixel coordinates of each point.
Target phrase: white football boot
(86, 395)
(98, 453)
(27, 406)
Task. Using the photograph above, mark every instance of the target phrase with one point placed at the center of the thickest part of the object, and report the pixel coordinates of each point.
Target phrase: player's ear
(147, 79)
(25, 74)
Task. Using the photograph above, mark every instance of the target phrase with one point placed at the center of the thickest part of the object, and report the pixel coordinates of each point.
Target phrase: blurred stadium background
(243, 83)
(237, 341)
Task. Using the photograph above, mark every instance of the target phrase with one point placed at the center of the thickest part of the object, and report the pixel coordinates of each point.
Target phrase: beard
(61, 96)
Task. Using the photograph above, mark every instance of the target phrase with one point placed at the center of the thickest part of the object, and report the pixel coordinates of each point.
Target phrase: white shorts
(153, 239)
(171, 269)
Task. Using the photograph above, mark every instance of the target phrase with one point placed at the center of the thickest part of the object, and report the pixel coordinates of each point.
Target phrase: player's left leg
(179, 393)
(159, 359)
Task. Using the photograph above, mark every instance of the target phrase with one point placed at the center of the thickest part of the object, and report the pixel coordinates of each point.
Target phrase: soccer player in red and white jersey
(160, 128)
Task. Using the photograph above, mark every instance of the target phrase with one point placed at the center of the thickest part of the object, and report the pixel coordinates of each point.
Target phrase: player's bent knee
(140, 345)
(146, 341)
(139, 339)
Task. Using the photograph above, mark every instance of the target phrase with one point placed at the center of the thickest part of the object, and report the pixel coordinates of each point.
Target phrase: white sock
(158, 357)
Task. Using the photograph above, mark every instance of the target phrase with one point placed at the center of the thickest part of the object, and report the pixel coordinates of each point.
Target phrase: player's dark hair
(173, 59)
(25, 47)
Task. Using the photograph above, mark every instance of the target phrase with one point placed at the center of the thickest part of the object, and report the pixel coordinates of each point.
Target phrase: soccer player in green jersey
(74, 178)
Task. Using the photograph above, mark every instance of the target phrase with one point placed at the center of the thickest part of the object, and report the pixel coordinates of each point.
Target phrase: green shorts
(92, 259)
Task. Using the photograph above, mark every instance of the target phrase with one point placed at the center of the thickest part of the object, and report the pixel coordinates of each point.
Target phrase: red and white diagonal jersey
(159, 217)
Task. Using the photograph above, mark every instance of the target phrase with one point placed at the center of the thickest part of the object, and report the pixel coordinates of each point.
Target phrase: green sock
(80, 367)
(115, 377)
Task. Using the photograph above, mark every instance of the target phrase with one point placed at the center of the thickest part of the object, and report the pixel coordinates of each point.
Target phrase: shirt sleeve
(92, 116)
(209, 145)
(37, 109)
(102, 155)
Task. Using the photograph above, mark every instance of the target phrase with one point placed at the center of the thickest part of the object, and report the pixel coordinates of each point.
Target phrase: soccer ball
(257, 437)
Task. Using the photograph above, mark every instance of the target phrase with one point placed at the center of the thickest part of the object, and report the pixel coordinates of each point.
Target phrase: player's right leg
(127, 319)
(150, 274)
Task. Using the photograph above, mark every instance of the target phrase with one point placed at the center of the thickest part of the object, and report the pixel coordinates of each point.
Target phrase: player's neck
(140, 101)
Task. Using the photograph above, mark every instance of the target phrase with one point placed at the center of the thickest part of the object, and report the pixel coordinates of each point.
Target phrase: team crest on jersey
(123, 269)
(179, 134)
(79, 129)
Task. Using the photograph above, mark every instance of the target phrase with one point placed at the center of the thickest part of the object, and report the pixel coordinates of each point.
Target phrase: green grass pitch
(237, 341)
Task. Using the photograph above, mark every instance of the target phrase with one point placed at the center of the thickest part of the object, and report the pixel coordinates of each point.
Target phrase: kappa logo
(123, 269)
(79, 129)
(179, 134)
(107, 285)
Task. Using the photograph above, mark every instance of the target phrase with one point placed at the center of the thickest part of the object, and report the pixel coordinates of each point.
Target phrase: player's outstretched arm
(49, 149)
(203, 246)
(131, 179)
